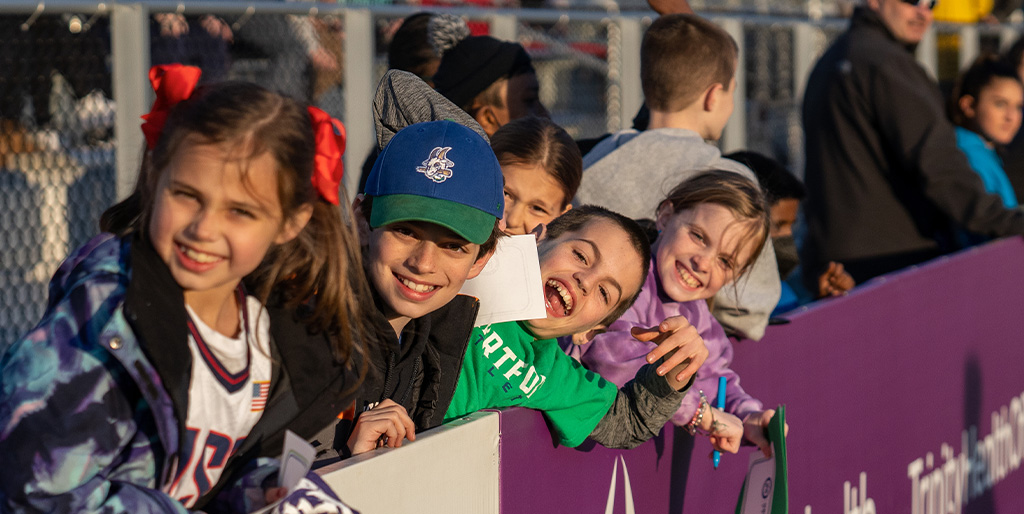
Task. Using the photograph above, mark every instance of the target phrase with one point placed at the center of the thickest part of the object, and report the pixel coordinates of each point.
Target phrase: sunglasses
(929, 4)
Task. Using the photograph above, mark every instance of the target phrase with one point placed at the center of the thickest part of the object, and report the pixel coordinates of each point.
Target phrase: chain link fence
(64, 67)
(56, 152)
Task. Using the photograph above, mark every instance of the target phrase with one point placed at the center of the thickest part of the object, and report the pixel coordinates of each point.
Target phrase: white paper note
(759, 484)
(509, 288)
(296, 459)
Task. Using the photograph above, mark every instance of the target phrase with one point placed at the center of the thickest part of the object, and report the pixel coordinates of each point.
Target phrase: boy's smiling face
(586, 274)
(417, 267)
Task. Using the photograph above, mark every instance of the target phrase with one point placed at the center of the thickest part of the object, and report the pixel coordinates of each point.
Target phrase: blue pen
(720, 404)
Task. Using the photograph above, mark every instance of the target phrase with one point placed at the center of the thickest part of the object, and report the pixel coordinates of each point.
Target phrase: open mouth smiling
(687, 278)
(558, 298)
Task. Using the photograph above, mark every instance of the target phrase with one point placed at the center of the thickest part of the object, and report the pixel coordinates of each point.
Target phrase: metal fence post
(129, 36)
(970, 45)
(359, 91)
(631, 92)
(806, 41)
(734, 137)
(504, 27)
(1007, 37)
(928, 54)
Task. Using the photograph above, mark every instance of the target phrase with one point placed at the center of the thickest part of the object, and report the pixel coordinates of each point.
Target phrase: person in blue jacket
(986, 108)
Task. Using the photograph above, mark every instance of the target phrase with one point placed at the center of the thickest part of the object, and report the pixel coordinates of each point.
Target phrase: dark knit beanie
(476, 63)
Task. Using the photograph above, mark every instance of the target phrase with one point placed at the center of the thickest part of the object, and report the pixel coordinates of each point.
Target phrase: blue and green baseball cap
(439, 172)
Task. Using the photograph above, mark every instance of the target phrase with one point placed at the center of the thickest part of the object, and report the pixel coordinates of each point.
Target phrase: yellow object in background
(962, 11)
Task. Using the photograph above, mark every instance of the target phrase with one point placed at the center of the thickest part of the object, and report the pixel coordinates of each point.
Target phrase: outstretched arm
(641, 408)
(647, 402)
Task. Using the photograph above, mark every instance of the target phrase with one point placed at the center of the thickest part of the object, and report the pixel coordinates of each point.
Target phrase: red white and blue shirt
(227, 394)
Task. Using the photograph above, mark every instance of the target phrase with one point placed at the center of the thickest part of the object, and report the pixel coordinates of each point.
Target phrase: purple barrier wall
(905, 397)
(538, 477)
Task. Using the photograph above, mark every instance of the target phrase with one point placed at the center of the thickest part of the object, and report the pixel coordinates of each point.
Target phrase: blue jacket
(986, 163)
(93, 399)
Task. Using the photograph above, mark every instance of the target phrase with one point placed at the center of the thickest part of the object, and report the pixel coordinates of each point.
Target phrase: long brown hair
(320, 268)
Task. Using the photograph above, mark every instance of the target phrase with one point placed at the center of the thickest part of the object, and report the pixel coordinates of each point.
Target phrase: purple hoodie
(616, 356)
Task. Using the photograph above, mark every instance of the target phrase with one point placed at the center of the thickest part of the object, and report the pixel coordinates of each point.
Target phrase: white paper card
(296, 459)
(759, 484)
(509, 288)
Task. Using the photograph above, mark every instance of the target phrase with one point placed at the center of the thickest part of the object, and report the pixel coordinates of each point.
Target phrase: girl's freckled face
(696, 251)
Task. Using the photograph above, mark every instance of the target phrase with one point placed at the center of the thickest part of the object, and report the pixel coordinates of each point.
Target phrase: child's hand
(387, 424)
(217, 27)
(834, 281)
(275, 493)
(171, 24)
(725, 431)
(754, 425)
(675, 333)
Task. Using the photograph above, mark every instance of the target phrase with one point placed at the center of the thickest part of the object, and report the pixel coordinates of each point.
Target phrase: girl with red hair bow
(218, 311)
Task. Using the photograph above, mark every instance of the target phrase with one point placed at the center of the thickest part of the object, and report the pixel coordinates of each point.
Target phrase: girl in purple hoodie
(709, 229)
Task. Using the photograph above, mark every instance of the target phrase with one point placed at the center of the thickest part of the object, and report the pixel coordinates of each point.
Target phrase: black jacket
(887, 185)
(419, 374)
(308, 386)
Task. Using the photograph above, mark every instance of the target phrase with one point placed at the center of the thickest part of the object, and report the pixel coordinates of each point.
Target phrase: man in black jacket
(887, 186)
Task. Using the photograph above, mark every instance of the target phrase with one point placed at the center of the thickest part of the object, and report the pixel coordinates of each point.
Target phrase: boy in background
(783, 192)
(494, 81)
(688, 68)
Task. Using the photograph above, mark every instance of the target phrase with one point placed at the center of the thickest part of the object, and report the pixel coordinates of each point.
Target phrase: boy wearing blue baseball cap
(427, 223)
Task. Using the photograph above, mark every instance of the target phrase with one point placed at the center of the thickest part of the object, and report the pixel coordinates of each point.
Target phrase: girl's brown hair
(539, 141)
(320, 268)
(734, 192)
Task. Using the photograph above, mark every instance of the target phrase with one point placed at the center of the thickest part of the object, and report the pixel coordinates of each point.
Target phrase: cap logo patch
(437, 167)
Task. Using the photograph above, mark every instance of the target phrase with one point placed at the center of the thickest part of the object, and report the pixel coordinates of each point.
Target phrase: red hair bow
(172, 83)
(329, 135)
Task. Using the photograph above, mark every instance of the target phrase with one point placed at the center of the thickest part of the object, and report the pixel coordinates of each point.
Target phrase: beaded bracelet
(698, 417)
(714, 426)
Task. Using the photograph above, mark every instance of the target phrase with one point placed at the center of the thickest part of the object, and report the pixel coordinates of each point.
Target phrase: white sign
(296, 459)
(759, 484)
(509, 288)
